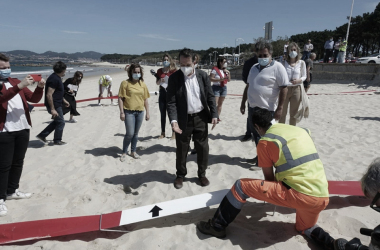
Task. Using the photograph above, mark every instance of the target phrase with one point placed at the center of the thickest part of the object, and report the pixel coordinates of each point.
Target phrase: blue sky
(135, 27)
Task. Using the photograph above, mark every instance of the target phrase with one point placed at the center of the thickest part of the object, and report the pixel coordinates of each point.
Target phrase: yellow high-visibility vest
(103, 81)
(298, 165)
(343, 46)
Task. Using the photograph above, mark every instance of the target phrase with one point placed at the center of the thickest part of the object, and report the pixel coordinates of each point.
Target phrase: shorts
(307, 84)
(104, 88)
(219, 91)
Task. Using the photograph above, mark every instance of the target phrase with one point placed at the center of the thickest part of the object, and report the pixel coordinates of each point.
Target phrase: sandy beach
(86, 176)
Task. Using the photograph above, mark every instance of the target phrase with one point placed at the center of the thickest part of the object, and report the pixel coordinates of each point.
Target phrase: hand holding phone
(36, 77)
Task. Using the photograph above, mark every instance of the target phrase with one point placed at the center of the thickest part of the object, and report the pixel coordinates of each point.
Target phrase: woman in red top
(219, 77)
(15, 124)
(162, 80)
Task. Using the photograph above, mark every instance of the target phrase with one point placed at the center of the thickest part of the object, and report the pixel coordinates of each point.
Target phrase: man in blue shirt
(329, 45)
(54, 100)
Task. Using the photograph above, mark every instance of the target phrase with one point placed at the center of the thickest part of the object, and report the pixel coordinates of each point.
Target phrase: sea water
(21, 72)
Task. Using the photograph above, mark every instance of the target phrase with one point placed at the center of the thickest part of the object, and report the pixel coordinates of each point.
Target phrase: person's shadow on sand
(111, 151)
(135, 181)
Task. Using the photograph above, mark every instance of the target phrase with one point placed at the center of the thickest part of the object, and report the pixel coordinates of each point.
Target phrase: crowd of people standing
(191, 99)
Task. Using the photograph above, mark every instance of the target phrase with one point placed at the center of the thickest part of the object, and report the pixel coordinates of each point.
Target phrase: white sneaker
(73, 121)
(99, 104)
(17, 195)
(3, 208)
(114, 104)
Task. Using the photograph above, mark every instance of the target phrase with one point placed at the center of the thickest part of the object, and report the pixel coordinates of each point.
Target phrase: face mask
(196, 65)
(293, 54)
(5, 73)
(264, 61)
(225, 65)
(166, 64)
(187, 70)
(339, 40)
(136, 76)
(331, 39)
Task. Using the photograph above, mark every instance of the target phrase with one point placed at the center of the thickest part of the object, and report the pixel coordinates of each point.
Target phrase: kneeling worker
(299, 182)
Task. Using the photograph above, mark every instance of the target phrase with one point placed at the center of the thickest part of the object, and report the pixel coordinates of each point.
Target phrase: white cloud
(155, 36)
(73, 32)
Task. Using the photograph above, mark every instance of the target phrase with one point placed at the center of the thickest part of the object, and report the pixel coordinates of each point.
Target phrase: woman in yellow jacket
(133, 97)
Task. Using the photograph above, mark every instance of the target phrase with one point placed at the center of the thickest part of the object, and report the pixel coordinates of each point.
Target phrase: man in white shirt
(307, 48)
(266, 87)
(191, 106)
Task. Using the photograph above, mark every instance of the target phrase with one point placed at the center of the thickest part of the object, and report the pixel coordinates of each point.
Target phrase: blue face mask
(166, 64)
(5, 73)
(136, 76)
(264, 61)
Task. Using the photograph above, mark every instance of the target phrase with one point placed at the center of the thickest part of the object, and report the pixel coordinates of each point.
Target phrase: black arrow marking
(155, 211)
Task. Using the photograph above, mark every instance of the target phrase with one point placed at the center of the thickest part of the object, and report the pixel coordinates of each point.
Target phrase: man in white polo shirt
(266, 87)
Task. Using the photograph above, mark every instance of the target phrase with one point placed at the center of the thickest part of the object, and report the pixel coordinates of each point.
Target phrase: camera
(355, 243)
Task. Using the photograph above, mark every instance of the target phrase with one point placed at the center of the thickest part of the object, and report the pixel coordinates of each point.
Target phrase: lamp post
(215, 52)
(225, 45)
(210, 57)
(348, 29)
(239, 40)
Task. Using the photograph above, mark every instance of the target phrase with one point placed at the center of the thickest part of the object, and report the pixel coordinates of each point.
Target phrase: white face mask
(187, 70)
(225, 65)
(293, 54)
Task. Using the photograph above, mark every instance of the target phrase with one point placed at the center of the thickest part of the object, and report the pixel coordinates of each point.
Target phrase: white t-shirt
(217, 76)
(285, 47)
(16, 118)
(264, 86)
(296, 72)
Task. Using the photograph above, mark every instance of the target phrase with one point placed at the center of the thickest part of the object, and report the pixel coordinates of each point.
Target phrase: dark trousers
(249, 131)
(197, 127)
(13, 146)
(335, 55)
(57, 125)
(328, 53)
(163, 108)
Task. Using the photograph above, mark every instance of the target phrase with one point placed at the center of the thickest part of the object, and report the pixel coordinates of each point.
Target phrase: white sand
(86, 176)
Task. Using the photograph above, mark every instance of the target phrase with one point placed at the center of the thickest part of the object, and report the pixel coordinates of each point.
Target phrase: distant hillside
(73, 56)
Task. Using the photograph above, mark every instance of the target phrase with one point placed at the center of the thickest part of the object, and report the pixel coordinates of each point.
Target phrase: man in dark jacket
(246, 68)
(191, 106)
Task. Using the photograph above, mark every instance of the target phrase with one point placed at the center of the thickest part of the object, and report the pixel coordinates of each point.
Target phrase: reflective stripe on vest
(290, 162)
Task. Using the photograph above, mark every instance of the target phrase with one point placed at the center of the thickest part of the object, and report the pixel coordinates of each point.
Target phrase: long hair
(132, 68)
(291, 45)
(172, 63)
(219, 61)
(76, 76)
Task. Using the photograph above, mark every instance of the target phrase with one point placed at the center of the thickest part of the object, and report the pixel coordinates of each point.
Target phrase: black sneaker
(60, 143)
(41, 139)
(246, 138)
(206, 228)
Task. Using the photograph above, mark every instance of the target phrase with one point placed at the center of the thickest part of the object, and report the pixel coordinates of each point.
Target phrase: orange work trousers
(307, 207)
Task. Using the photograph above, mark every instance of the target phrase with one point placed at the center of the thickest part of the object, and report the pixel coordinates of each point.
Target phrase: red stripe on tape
(33, 230)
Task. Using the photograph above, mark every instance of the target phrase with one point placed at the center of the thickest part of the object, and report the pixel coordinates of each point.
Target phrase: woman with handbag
(219, 77)
(296, 70)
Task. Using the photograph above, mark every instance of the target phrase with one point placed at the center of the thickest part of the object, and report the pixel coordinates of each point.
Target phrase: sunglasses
(377, 196)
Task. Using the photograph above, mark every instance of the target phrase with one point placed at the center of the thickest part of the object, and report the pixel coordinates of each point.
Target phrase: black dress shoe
(204, 181)
(178, 183)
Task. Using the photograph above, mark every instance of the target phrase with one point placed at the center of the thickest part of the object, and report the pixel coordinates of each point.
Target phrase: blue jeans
(219, 91)
(133, 121)
(57, 125)
(306, 55)
(256, 135)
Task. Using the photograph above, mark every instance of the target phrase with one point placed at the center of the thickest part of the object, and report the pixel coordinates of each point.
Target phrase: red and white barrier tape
(41, 229)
